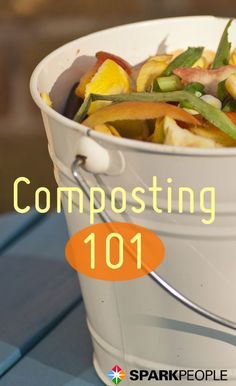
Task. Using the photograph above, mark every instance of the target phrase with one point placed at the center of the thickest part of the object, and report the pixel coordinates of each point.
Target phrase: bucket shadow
(171, 324)
(68, 78)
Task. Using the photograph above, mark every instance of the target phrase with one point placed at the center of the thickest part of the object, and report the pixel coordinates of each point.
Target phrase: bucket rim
(132, 144)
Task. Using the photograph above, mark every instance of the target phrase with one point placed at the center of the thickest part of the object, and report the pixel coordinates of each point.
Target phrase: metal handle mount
(80, 161)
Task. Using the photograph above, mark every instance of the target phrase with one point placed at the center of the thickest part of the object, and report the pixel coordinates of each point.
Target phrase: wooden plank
(46, 240)
(37, 289)
(13, 226)
(63, 358)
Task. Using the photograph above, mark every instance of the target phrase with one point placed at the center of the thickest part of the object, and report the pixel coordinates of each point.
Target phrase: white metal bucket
(136, 324)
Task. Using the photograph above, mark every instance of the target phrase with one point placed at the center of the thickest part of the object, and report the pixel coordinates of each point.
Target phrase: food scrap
(182, 98)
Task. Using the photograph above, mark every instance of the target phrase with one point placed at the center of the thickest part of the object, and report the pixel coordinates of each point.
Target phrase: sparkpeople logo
(116, 375)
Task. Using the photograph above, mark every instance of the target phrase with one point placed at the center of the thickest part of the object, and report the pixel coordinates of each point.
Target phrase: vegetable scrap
(183, 98)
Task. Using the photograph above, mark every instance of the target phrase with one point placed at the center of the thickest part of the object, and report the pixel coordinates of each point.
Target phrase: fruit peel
(110, 78)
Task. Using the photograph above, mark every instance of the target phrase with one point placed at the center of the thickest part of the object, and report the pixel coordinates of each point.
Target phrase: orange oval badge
(115, 251)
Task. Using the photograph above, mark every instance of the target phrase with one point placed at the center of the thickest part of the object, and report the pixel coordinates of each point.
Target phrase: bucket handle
(80, 161)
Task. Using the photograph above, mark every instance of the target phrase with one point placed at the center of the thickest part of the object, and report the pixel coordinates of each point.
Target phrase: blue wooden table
(44, 339)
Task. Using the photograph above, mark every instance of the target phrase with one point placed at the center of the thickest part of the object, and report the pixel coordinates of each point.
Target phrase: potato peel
(215, 134)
